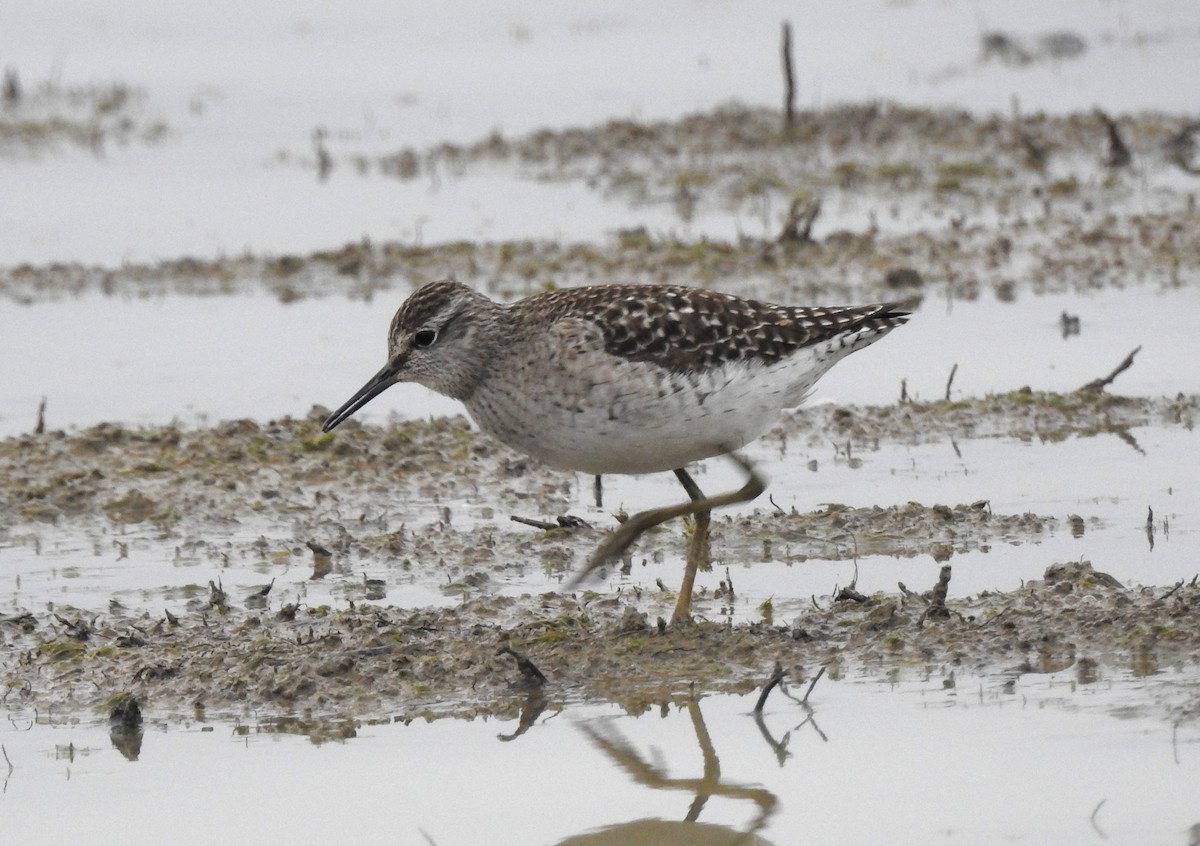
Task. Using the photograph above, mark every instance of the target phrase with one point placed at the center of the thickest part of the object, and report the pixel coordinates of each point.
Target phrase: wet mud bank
(374, 662)
(171, 477)
(858, 202)
(299, 506)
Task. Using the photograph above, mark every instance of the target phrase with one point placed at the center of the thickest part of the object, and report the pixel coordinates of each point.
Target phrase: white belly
(632, 417)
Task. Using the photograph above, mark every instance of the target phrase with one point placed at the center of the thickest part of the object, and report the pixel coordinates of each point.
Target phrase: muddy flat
(347, 502)
(965, 608)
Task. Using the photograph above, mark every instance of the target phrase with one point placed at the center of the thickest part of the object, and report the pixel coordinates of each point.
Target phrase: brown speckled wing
(691, 329)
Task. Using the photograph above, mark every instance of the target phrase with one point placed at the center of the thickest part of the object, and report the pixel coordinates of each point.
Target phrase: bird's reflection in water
(532, 708)
(689, 832)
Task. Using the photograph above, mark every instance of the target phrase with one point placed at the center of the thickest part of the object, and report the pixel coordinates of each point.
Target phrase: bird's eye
(424, 338)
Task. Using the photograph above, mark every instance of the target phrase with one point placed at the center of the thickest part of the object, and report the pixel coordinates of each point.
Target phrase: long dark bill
(379, 383)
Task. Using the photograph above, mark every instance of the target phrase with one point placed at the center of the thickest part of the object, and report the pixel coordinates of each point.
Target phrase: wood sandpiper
(623, 379)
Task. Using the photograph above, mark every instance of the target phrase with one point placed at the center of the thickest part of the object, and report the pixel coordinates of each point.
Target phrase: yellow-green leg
(699, 549)
(700, 506)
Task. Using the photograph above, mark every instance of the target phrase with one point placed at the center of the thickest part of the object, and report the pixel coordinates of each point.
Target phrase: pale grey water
(205, 359)
(1049, 762)
(238, 83)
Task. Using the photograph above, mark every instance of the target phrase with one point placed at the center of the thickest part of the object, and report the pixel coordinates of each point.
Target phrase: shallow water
(241, 88)
(206, 359)
(240, 83)
(199, 374)
(1047, 760)
(1103, 479)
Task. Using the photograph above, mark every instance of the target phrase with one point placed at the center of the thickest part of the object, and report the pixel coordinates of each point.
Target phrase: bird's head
(434, 340)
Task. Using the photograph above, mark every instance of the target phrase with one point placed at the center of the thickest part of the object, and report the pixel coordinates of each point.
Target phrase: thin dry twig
(802, 214)
(789, 81)
(993, 619)
(1182, 147)
(911, 594)
(850, 592)
(531, 676)
(1178, 585)
(1098, 385)
(537, 524)
(813, 684)
(776, 679)
(1118, 152)
(937, 609)
(24, 618)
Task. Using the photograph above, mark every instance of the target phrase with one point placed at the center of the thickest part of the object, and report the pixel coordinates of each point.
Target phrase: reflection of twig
(812, 720)
(1125, 436)
(1097, 385)
(1093, 819)
(779, 747)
